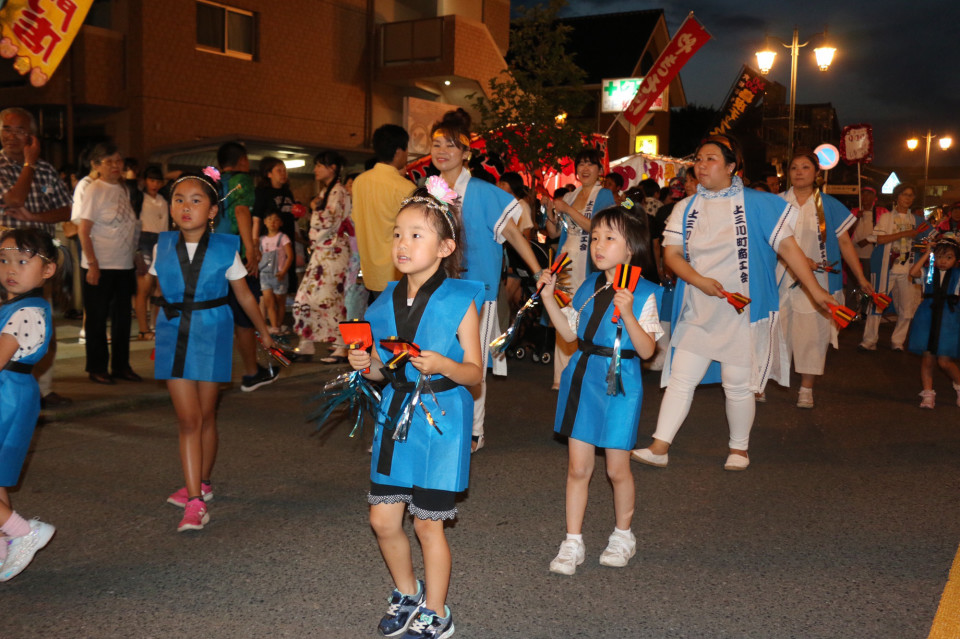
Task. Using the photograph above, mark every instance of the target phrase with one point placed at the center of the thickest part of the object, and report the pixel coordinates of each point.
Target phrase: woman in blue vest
(822, 232)
(726, 238)
(489, 218)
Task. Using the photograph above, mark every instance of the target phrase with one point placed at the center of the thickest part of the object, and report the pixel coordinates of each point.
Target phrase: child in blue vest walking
(424, 472)
(194, 270)
(28, 258)
(586, 414)
(935, 331)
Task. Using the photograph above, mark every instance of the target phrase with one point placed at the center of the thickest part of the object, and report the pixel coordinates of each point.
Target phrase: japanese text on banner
(38, 33)
(686, 41)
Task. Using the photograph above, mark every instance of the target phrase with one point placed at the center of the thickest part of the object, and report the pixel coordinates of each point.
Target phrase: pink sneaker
(928, 398)
(195, 516)
(179, 498)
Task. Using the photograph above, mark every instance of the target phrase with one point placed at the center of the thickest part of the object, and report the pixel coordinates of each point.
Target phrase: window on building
(226, 30)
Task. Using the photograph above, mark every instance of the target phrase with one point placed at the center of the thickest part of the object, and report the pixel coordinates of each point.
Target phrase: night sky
(897, 65)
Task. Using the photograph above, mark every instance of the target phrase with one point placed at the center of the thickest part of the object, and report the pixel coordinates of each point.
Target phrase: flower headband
(441, 197)
(212, 173)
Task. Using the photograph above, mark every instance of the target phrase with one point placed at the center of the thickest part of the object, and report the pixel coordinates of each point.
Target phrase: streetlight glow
(824, 56)
(913, 143)
(765, 60)
(946, 143)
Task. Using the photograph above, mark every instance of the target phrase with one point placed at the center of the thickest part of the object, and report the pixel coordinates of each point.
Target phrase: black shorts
(240, 318)
(423, 503)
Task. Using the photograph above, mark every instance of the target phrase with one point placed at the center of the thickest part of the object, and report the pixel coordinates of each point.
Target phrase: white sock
(577, 538)
(622, 533)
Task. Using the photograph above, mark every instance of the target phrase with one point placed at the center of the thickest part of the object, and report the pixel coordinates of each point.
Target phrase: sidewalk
(70, 379)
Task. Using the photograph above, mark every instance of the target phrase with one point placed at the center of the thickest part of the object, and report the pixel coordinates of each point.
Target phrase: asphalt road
(845, 525)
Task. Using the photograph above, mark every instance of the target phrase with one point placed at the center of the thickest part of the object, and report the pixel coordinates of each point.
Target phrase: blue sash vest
(483, 220)
(19, 394)
(936, 323)
(584, 410)
(195, 329)
(427, 459)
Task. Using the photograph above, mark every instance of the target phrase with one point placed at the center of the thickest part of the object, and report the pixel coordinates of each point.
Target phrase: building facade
(170, 81)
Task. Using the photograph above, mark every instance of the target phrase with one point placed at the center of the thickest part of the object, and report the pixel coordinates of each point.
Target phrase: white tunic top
(708, 325)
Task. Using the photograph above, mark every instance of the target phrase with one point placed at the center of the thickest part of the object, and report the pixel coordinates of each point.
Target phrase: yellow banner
(38, 33)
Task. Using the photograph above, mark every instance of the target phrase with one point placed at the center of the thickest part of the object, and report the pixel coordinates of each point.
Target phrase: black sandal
(102, 378)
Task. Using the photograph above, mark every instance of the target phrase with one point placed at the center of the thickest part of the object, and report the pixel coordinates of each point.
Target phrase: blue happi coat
(936, 324)
(19, 392)
(486, 210)
(584, 410)
(195, 325)
(427, 459)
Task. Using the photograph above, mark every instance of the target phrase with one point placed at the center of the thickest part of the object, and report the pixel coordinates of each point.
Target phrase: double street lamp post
(944, 141)
(824, 54)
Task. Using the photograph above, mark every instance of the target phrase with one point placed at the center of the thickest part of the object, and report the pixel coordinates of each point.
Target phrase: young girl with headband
(194, 269)
(424, 471)
(28, 258)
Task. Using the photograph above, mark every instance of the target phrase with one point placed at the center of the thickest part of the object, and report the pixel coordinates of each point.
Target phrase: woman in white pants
(725, 239)
(890, 265)
(822, 232)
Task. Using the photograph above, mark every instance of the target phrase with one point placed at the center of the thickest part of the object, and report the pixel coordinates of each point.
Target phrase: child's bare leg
(209, 392)
(387, 523)
(5, 508)
(948, 366)
(926, 371)
(281, 308)
(186, 402)
(269, 304)
(807, 380)
(436, 561)
(579, 472)
(140, 303)
(624, 490)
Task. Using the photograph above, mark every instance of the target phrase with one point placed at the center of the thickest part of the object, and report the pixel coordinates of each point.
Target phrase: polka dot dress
(28, 327)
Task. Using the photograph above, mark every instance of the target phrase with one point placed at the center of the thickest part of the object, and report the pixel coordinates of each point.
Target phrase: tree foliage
(541, 82)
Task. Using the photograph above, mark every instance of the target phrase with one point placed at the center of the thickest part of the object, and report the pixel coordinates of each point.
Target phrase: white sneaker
(571, 555)
(956, 387)
(644, 456)
(21, 550)
(736, 462)
(805, 399)
(620, 549)
(929, 398)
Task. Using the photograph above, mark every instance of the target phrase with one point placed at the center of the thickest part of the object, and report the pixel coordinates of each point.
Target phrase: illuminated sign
(647, 144)
(828, 155)
(618, 93)
(890, 184)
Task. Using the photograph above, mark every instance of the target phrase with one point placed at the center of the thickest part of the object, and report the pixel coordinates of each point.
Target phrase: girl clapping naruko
(586, 414)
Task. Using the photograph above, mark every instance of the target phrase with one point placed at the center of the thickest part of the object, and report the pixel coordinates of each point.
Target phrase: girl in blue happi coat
(424, 471)
(586, 413)
(27, 259)
(935, 331)
(194, 269)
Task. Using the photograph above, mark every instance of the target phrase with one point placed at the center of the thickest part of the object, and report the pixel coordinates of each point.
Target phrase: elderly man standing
(376, 200)
(31, 195)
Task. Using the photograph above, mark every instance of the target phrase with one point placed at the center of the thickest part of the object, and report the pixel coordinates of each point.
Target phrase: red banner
(686, 41)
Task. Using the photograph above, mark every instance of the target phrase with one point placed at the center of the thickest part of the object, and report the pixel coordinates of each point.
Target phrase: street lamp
(824, 54)
(945, 142)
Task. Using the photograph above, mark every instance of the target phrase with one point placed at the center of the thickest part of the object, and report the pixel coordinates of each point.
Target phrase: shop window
(226, 30)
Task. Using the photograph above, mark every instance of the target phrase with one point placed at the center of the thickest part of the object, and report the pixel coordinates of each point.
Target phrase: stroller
(535, 336)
